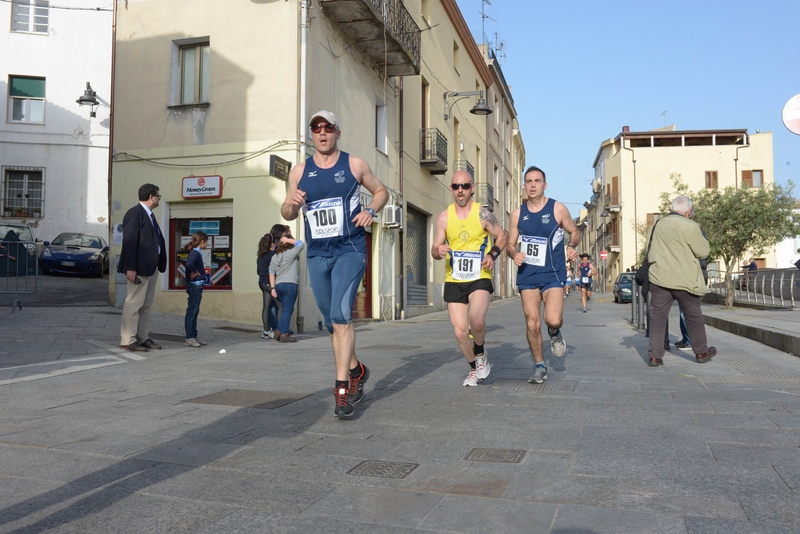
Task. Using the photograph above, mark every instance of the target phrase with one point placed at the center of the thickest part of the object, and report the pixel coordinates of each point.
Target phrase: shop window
(217, 258)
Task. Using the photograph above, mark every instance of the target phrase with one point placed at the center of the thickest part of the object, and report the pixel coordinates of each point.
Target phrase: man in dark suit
(143, 251)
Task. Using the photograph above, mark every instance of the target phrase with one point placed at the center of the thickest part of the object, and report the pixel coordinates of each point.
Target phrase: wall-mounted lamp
(478, 109)
(89, 98)
(604, 214)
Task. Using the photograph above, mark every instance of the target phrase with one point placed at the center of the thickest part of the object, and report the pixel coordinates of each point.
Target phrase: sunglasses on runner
(329, 128)
(465, 187)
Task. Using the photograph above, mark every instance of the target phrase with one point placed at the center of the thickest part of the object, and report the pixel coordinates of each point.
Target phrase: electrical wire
(247, 156)
(33, 4)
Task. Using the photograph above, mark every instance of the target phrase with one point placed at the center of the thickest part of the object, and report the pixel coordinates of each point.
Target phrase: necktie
(158, 230)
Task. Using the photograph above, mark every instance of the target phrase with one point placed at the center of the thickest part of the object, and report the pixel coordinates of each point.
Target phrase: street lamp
(89, 98)
(480, 108)
(604, 216)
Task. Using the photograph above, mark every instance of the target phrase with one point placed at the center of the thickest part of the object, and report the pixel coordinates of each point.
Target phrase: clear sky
(583, 69)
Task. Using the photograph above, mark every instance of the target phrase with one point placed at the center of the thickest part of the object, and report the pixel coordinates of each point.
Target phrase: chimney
(626, 129)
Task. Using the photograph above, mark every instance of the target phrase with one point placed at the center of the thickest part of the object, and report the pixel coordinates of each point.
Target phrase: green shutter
(27, 87)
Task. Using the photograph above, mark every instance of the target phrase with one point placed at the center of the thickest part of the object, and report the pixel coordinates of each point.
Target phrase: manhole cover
(378, 468)
(264, 400)
(550, 386)
(237, 329)
(510, 456)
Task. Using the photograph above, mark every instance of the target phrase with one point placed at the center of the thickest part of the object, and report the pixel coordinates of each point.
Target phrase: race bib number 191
(535, 250)
(466, 265)
(325, 218)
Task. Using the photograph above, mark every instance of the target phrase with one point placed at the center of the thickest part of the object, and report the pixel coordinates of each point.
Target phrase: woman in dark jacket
(195, 279)
(270, 309)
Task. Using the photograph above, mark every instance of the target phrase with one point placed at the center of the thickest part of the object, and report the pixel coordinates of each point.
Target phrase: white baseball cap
(327, 115)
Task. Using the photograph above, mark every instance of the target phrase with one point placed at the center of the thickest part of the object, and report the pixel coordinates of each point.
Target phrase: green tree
(740, 220)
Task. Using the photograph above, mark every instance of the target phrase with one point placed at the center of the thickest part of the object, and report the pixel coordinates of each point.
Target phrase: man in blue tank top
(327, 187)
(586, 271)
(539, 226)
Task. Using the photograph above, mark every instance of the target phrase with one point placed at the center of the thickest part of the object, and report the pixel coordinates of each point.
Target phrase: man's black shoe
(134, 347)
(150, 344)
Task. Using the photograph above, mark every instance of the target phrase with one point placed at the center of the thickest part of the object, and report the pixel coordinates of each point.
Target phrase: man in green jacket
(677, 247)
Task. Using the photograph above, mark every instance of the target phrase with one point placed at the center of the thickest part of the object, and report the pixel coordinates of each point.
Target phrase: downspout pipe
(111, 135)
(302, 126)
(736, 161)
(635, 211)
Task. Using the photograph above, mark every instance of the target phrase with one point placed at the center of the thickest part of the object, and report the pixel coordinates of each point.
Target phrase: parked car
(623, 287)
(12, 252)
(75, 253)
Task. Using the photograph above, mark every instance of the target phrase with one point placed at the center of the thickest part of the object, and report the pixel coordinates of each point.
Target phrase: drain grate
(509, 456)
(550, 386)
(263, 400)
(379, 468)
(237, 329)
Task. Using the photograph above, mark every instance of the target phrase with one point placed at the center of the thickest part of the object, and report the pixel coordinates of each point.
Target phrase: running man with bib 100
(462, 239)
(539, 225)
(585, 273)
(327, 186)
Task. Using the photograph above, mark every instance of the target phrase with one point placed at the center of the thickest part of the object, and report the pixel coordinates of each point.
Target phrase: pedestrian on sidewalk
(568, 285)
(587, 271)
(462, 237)
(676, 246)
(195, 280)
(685, 343)
(327, 186)
(540, 224)
(284, 273)
(270, 306)
(143, 256)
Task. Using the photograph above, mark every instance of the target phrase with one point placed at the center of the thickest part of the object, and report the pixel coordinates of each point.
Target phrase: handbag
(642, 276)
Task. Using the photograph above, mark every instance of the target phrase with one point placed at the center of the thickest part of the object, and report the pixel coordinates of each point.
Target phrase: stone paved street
(606, 445)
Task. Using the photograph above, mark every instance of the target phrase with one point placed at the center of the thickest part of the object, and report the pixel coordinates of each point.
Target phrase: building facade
(196, 102)
(632, 169)
(53, 152)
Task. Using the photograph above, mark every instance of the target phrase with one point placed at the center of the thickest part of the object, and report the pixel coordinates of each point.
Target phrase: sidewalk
(607, 444)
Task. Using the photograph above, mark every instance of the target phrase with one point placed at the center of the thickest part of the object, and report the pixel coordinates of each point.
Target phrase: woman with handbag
(283, 275)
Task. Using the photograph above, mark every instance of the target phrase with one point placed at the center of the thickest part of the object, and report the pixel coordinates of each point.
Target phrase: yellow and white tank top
(469, 244)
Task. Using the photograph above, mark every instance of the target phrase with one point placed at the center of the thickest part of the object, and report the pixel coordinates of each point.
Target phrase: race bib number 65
(466, 265)
(535, 250)
(325, 218)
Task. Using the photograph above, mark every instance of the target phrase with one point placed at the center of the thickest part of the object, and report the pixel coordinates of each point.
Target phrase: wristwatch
(371, 212)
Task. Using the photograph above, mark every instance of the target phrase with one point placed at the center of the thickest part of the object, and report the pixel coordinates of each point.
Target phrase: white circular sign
(791, 114)
(603, 254)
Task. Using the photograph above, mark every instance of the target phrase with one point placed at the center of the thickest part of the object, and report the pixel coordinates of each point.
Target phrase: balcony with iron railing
(484, 195)
(612, 241)
(611, 201)
(464, 165)
(382, 29)
(433, 150)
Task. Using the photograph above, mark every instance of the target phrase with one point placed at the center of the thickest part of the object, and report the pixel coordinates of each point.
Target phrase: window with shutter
(711, 180)
(747, 178)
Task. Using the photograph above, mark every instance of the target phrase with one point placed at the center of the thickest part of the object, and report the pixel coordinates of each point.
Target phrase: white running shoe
(482, 366)
(557, 344)
(472, 379)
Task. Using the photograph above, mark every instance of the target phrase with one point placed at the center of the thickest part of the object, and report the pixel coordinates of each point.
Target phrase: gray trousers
(661, 299)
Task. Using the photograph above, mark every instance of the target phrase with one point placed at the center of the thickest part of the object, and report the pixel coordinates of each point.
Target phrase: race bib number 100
(325, 218)
(535, 250)
(466, 265)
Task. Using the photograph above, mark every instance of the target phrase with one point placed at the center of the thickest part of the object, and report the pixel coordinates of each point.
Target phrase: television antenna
(499, 48)
(484, 16)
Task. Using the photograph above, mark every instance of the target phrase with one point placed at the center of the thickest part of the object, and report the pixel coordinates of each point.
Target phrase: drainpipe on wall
(401, 305)
(111, 144)
(736, 162)
(302, 127)
(635, 212)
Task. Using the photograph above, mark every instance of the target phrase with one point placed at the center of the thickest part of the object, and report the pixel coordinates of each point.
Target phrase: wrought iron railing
(612, 199)
(771, 287)
(612, 239)
(433, 145)
(401, 24)
(464, 165)
(484, 195)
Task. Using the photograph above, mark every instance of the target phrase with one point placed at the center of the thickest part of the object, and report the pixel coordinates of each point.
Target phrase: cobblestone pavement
(607, 444)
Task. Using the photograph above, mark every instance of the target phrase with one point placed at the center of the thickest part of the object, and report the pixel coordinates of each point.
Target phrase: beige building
(216, 121)
(632, 169)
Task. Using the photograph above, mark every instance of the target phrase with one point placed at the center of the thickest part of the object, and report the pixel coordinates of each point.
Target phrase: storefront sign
(202, 187)
(222, 241)
(279, 167)
(209, 227)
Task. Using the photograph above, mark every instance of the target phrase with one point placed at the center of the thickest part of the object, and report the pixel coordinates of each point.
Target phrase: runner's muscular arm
(294, 197)
(440, 248)
(367, 178)
(565, 220)
(491, 225)
(513, 237)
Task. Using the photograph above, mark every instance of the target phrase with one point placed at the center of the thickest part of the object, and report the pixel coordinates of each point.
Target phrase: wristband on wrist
(371, 212)
(494, 252)
(573, 247)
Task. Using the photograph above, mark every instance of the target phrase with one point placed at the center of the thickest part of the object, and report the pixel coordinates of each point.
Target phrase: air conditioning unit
(392, 216)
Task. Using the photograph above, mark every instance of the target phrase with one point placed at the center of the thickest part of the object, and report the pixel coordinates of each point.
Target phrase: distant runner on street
(586, 272)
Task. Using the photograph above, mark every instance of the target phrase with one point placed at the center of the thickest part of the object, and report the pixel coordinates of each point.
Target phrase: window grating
(30, 16)
(23, 192)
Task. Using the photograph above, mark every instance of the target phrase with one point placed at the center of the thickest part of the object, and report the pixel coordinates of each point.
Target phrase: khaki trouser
(135, 325)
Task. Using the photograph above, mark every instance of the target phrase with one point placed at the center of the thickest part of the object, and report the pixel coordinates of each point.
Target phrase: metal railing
(770, 287)
(401, 24)
(484, 195)
(612, 199)
(433, 145)
(19, 266)
(464, 165)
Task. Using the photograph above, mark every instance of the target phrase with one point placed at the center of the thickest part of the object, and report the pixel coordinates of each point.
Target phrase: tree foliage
(738, 220)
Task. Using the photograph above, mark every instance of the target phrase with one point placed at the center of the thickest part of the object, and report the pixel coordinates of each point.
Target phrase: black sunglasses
(465, 187)
(329, 128)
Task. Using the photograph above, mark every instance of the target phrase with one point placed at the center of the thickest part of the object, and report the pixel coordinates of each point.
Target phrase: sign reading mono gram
(510, 456)
(378, 468)
(264, 400)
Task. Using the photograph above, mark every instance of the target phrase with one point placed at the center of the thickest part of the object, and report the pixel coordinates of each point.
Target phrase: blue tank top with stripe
(543, 245)
(333, 198)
